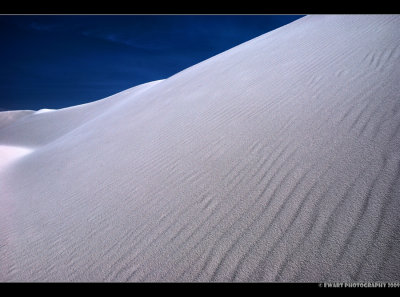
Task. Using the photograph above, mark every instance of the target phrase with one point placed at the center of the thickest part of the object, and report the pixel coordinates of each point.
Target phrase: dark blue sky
(56, 61)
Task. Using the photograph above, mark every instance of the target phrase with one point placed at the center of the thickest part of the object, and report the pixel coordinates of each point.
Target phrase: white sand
(8, 117)
(9, 154)
(44, 110)
(278, 160)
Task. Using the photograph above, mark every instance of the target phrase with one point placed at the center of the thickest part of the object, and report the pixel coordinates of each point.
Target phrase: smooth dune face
(8, 154)
(278, 160)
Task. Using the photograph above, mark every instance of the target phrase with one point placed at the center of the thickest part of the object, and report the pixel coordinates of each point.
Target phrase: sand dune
(8, 154)
(8, 117)
(277, 160)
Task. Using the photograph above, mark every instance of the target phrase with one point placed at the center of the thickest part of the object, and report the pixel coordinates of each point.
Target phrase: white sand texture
(275, 161)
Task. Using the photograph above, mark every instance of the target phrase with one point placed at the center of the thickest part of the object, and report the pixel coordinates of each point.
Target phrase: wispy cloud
(130, 41)
(43, 27)
(94, 32)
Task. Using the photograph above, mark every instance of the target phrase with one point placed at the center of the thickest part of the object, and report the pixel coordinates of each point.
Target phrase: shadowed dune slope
(277, 160)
